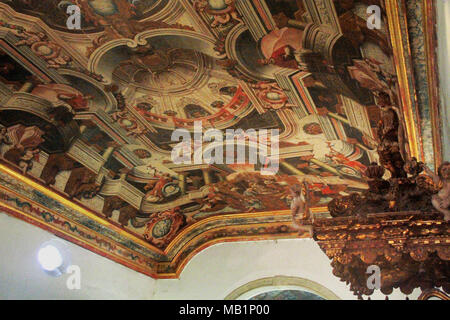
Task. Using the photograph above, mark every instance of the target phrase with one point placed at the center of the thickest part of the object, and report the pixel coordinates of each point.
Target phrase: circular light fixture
(50, 258)
(53, 257)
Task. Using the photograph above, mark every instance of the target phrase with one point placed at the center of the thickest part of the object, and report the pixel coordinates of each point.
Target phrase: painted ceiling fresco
(87, 116)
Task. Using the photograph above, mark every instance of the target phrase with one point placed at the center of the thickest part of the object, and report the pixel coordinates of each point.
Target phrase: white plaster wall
(22, 278)
(219, 270)
(236, 264)
(443, 29)
(212, 274)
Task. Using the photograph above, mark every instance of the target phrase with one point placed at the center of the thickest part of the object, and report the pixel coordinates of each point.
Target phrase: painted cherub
(4, 138)
(137, 132)
(120, 114)
(225, 16)
(28, 38)
(58, 59)
(300, 208)
(49, 51)
(441, 200)
(26, 160)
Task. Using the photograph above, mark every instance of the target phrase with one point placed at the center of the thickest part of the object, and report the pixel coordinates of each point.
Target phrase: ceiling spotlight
(53, 257)
(50, 258)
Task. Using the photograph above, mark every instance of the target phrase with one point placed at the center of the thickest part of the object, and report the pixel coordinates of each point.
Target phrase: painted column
(296, 24)
(83, 128)
(325, 166)
(124, 173)
(108, 153)
(27, 87)
(207, 176)
(182, 182)
(289, 167)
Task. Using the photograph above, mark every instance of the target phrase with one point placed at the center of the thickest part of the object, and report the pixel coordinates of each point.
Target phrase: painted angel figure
(300, 208)
(441, 200)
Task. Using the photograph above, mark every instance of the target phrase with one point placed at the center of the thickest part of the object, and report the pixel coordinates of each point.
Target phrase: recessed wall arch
(263, 285)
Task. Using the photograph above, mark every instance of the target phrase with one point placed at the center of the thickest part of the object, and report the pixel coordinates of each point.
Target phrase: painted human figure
(6, 68)
(137, 132)
(283, 57)
(194, 111)
(61, 115)
(441, 200)
(386, 77)
(57, 59)
(28, 38)
(218, 104)
(120, 114)
(339, 158)
(4, 138)
(78, 102)
(212, 200)
(26, 160)
(327, 190)
(228, 91)
(156, 191)
(370, 75)
(300, 207)
(283, 48)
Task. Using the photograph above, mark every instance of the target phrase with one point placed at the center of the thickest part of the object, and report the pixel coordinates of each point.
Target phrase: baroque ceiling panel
(88, 117)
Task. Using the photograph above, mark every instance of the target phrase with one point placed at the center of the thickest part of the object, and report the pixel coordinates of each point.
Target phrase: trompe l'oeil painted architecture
(87, 117)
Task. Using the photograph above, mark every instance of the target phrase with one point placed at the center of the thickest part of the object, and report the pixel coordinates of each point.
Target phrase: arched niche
(264, 285)
(57, 138)
(85, 84)
(107, 57)
(241, 47)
